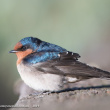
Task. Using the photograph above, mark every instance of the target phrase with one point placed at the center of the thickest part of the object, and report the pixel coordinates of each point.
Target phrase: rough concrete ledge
(89, 99)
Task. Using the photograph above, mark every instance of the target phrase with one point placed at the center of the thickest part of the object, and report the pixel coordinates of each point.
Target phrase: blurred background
(81, 26)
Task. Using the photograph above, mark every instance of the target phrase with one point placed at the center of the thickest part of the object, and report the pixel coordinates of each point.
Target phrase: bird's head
(25, 47)
(30, 45)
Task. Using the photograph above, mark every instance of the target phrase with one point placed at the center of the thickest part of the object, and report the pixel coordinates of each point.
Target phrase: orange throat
(23, 54)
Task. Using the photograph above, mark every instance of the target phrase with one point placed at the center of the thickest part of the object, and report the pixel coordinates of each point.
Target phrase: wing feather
(73, 69)
(67, 64)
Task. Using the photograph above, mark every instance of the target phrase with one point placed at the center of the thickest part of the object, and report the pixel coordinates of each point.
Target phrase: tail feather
(95, 72)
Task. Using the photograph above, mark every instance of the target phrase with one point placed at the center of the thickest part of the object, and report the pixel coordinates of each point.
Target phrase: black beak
(13, 51)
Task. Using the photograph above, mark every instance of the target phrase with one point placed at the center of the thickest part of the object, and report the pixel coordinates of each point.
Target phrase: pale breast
(39, 80)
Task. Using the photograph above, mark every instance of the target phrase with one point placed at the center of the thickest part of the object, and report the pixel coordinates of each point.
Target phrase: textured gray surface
(85, 99)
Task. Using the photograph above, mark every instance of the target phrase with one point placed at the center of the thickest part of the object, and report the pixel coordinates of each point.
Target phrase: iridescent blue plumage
(41, 46)
(47, 47)
(32, 42)
(41, 57)
(43, 51)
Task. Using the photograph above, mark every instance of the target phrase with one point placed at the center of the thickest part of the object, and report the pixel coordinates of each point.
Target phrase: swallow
(48, 67)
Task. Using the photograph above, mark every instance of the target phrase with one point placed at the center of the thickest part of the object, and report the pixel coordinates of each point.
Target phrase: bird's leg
(36, 93)
(47, 92)
(40, 93)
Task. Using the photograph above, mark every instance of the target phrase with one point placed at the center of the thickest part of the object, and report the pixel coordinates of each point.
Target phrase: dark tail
(101, 73)
(85, 70)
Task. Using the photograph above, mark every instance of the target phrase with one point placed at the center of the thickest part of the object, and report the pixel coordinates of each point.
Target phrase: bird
(44, 66)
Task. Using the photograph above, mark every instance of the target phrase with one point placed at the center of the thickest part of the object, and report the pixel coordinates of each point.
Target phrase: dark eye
(23, 48)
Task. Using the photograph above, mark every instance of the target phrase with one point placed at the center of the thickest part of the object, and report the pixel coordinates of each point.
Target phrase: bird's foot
(36, 93)
(47, 93)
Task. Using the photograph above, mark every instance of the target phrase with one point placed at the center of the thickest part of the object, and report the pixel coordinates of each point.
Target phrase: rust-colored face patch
(23, 54)
(17, 46)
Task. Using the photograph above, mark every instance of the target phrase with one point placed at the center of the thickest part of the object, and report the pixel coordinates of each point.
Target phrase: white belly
(38, 80)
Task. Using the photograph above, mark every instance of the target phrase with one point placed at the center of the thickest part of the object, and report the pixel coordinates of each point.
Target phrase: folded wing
(68, 65)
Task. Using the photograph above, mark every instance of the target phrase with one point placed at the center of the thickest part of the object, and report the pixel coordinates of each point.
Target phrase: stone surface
(84, 99)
